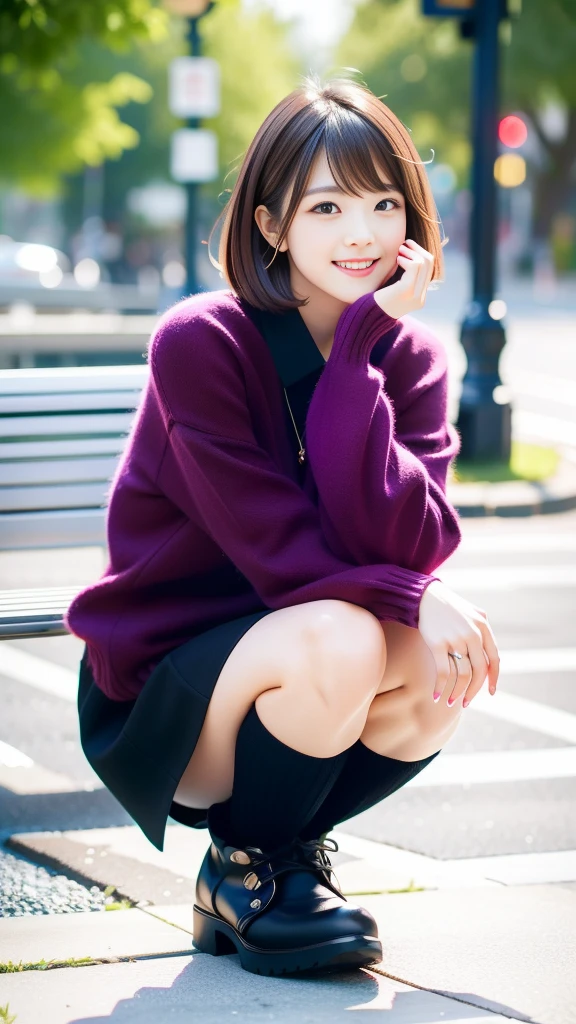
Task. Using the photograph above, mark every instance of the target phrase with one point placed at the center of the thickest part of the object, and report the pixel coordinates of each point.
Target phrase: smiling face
(341, 246)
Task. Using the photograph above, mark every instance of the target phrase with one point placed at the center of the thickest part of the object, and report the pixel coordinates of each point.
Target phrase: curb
(517, 497)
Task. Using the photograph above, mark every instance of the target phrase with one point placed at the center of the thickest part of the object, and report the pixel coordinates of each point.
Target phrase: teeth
(355, 266)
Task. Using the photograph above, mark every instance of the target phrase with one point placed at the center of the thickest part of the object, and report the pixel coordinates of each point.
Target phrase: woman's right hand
(447, 622)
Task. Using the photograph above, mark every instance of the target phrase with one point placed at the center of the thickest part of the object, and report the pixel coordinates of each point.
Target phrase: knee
(346, 650)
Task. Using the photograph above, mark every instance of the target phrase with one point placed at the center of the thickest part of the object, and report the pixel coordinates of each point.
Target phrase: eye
(395, 205)
(325, 207)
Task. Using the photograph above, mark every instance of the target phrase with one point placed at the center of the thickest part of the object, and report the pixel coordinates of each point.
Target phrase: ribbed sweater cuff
(407, 588)
(361, 325)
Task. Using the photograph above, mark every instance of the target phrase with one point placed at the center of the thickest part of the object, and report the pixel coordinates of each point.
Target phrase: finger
(414, 245)
(474, 689)
(428, 266)
(463, 681)
(477, 660)
(443, 670)
(492, 654)
(415, 271)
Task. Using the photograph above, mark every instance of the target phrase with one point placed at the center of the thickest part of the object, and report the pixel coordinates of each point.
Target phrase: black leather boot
(280, 911)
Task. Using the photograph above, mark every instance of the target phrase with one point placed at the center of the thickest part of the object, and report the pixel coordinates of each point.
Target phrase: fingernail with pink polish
(436, 697)
(450, 701)
(465, 703)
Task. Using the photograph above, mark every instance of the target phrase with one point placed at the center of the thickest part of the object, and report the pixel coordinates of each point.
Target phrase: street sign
(448, 7)
(194, 87)
(189, 8)
(194, 155)
(463, 8)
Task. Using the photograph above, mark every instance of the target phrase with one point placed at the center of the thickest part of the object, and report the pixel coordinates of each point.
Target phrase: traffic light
(512, 131)
(510, 168)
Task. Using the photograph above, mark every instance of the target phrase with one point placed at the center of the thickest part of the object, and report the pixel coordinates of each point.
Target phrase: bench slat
(44, 600)
(50, 625)
(62, 402)
(26, 499)
(23, 531)
(72, 378)
(34, 612)
(56, 471)
(39, 426)
(47, 449)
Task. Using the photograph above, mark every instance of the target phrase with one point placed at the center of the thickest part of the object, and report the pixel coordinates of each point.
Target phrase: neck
(320, 314)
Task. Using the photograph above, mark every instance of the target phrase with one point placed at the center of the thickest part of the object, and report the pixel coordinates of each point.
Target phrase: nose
(358, 232)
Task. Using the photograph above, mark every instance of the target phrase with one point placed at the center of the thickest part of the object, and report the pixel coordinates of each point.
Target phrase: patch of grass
(5, 1015)
(527, 462)
(44, 965)
(385, 892)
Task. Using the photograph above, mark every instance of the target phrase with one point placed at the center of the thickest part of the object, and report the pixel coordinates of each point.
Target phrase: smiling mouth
(355, 264)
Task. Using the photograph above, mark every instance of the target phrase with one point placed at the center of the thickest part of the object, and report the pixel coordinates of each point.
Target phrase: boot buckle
(251, 881)
(240, 857)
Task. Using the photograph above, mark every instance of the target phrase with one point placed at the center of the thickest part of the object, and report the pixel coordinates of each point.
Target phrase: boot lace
(300, 854)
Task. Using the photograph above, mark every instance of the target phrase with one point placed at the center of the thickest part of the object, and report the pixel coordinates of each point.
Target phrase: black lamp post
(485, 414)
(190, 247)
(190, 106)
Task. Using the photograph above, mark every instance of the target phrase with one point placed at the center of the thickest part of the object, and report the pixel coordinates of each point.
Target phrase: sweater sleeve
(260, 517)
(381, 468)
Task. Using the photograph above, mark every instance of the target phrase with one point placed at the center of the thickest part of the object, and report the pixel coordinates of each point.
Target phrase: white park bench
(61, 434)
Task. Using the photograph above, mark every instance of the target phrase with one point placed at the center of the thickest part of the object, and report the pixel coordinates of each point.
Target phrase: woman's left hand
(409, 292)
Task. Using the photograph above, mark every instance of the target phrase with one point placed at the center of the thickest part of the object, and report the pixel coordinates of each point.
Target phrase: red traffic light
(512, 131)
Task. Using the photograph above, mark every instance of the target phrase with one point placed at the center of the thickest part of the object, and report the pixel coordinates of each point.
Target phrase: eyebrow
(335, 188)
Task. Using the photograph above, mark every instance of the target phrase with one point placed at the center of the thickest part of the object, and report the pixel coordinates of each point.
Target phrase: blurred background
(92, 218)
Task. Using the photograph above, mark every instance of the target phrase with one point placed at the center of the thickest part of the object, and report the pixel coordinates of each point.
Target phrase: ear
(268, 227)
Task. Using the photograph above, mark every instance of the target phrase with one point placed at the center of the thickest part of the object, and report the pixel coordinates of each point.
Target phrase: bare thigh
(312, 670)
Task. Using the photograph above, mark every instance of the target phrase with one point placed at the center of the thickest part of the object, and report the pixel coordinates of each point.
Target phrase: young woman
(268, 652)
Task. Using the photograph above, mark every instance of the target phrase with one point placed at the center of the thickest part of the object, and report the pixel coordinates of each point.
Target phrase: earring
(273, 258)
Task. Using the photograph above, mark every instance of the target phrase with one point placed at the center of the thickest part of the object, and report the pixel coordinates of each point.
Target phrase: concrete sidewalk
(518, 497)
(462, 947)
(451, 955)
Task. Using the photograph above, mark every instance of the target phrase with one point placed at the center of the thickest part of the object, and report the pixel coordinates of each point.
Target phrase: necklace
(302, 452)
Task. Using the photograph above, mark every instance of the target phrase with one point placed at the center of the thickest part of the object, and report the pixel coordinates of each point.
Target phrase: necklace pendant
(301, 456)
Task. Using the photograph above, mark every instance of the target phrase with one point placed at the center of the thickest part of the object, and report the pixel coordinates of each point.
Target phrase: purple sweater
(208, 518)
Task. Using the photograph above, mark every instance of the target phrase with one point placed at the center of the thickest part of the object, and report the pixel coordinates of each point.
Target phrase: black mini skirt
(140, 748)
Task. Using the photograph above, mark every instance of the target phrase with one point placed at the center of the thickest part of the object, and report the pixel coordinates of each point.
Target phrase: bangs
(368, 149)
(359, 157)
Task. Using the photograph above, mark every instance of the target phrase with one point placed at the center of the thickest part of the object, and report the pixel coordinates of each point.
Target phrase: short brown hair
(361, 137)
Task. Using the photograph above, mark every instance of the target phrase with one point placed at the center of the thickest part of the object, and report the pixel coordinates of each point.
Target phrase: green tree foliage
(539, 67)
(422, 69)
(52, 123)
(61, 111)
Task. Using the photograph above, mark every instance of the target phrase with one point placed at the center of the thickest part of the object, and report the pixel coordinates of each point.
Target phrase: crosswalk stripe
(40, 673)
(489, 766)
(522, 542)
(509, 577)
(530, 714)
(10, 757)
(545, 428)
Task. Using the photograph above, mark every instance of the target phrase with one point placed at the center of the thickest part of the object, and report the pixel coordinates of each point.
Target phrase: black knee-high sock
(276, 789)
(365, 780)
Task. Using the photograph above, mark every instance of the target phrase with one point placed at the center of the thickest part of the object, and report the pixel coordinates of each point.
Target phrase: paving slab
(511, 950)
(517, 497)
(99, 934)
(213, 990)
(123, 857)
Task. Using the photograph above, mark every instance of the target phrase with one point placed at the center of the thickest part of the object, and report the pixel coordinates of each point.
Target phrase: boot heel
(209, 936)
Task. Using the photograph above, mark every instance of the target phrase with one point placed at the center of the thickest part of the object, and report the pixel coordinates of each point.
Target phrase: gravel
(27, 889)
